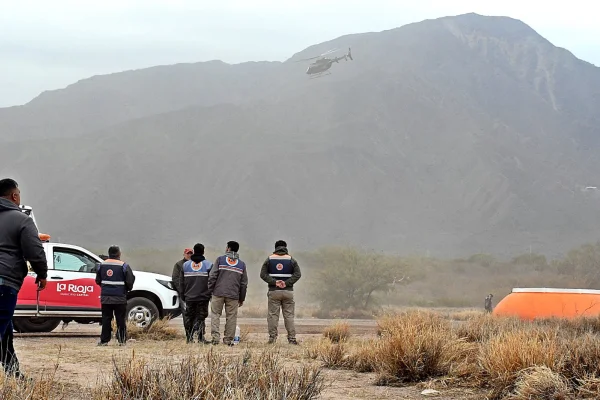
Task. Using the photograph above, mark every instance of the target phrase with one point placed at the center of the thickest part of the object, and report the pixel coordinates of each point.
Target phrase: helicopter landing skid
(319, 75)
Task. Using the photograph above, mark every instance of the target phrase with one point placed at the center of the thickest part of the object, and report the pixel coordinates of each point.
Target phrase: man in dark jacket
(115, 278)
(281, 271)
(187, 253)
(19, 243)
(193, 281)
(227, 282)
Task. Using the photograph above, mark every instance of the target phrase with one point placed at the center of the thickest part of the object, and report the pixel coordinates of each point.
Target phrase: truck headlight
(167, 284)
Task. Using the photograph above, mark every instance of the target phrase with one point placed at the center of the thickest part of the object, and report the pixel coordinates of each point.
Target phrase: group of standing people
(224, 283)
(199, 282)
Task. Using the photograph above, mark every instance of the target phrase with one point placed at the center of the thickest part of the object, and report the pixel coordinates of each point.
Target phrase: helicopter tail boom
(349, 55)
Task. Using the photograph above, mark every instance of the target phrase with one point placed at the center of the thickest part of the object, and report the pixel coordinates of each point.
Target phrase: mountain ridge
(425, 142)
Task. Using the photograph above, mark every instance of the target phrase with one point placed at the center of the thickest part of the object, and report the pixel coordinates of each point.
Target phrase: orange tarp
(546, 303)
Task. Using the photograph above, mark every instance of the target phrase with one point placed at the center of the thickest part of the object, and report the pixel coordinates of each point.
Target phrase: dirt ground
(81, 364)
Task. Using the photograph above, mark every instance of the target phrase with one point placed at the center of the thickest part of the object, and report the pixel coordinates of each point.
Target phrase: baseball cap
(188, 251)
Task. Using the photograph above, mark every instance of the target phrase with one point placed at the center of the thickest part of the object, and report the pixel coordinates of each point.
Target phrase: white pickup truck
(72, 294)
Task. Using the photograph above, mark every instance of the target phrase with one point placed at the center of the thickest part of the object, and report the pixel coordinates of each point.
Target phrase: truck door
(71, 282)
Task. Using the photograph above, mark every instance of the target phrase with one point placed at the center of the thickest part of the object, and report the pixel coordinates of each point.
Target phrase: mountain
(453, 136)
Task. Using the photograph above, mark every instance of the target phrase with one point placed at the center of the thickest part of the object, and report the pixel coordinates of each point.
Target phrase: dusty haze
(448, 137)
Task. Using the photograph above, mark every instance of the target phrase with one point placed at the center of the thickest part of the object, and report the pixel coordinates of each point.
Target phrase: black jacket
(194, 288)
(19, 241)
(289, 283)
(177, 268)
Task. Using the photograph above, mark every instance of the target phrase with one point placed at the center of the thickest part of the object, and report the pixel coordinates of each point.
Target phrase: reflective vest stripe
(115, 283)
(281, 275)
(232, 269)
(199, 273)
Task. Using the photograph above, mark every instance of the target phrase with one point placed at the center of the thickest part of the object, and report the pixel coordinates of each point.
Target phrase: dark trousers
(195, 315)
(118, 310)
(8, 302)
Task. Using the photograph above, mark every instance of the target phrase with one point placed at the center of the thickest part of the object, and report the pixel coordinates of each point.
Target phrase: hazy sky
(49, 44)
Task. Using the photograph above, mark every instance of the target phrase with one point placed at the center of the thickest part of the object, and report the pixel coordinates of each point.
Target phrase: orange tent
(531, 303)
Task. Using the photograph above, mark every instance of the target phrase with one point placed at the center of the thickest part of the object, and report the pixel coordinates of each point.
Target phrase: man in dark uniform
(281, 271)
(193, 282)
(115, 279)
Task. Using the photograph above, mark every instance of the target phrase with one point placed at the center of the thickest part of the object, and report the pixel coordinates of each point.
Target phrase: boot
(201, 336)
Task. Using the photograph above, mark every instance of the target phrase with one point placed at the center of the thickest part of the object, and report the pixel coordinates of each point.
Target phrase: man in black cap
(115, 278)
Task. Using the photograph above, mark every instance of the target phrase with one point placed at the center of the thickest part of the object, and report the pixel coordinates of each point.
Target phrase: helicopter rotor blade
(308, 59)
(320, 55)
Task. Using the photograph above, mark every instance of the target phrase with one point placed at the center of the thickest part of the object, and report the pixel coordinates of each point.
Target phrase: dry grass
(416, 346)
(44, 387)
(332, 355)
(252, 312)
(158, 330)
(338, 332)
(503, 357)
(540, 383)
(212, 376)
(513, 359)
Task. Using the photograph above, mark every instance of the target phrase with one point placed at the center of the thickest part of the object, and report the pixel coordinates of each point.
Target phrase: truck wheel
(141, 311)
(31, 325)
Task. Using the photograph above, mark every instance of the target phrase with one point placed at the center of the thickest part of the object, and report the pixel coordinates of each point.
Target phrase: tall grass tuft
(415, 347)
(540, 383)
(338, 332)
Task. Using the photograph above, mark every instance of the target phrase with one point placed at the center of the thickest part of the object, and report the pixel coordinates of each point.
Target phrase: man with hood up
(19, 241)
(193, 283)
(281, 271)
(227, 282)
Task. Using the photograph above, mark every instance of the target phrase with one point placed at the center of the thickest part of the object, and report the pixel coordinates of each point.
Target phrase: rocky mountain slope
(450, 136)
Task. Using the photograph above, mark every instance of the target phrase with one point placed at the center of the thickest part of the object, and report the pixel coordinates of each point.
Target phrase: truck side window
(72, 260)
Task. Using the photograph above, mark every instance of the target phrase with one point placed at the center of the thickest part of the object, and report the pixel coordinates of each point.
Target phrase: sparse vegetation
(43, 387)
(212, 376)
(512, 359)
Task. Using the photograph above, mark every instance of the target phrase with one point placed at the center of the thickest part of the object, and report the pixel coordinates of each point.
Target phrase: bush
(504, 356)
(354, 288)
(417, 346)
(212, 376)
(158, 330)
(540, 383)
(340, 331)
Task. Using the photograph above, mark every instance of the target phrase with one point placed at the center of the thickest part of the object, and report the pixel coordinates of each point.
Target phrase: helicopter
(321, 66)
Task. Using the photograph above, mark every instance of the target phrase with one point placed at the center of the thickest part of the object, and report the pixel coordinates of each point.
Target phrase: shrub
(504, 356)
(158, 330)
(540, 383)
(416, 346)
(332, 355)
(338, 332)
